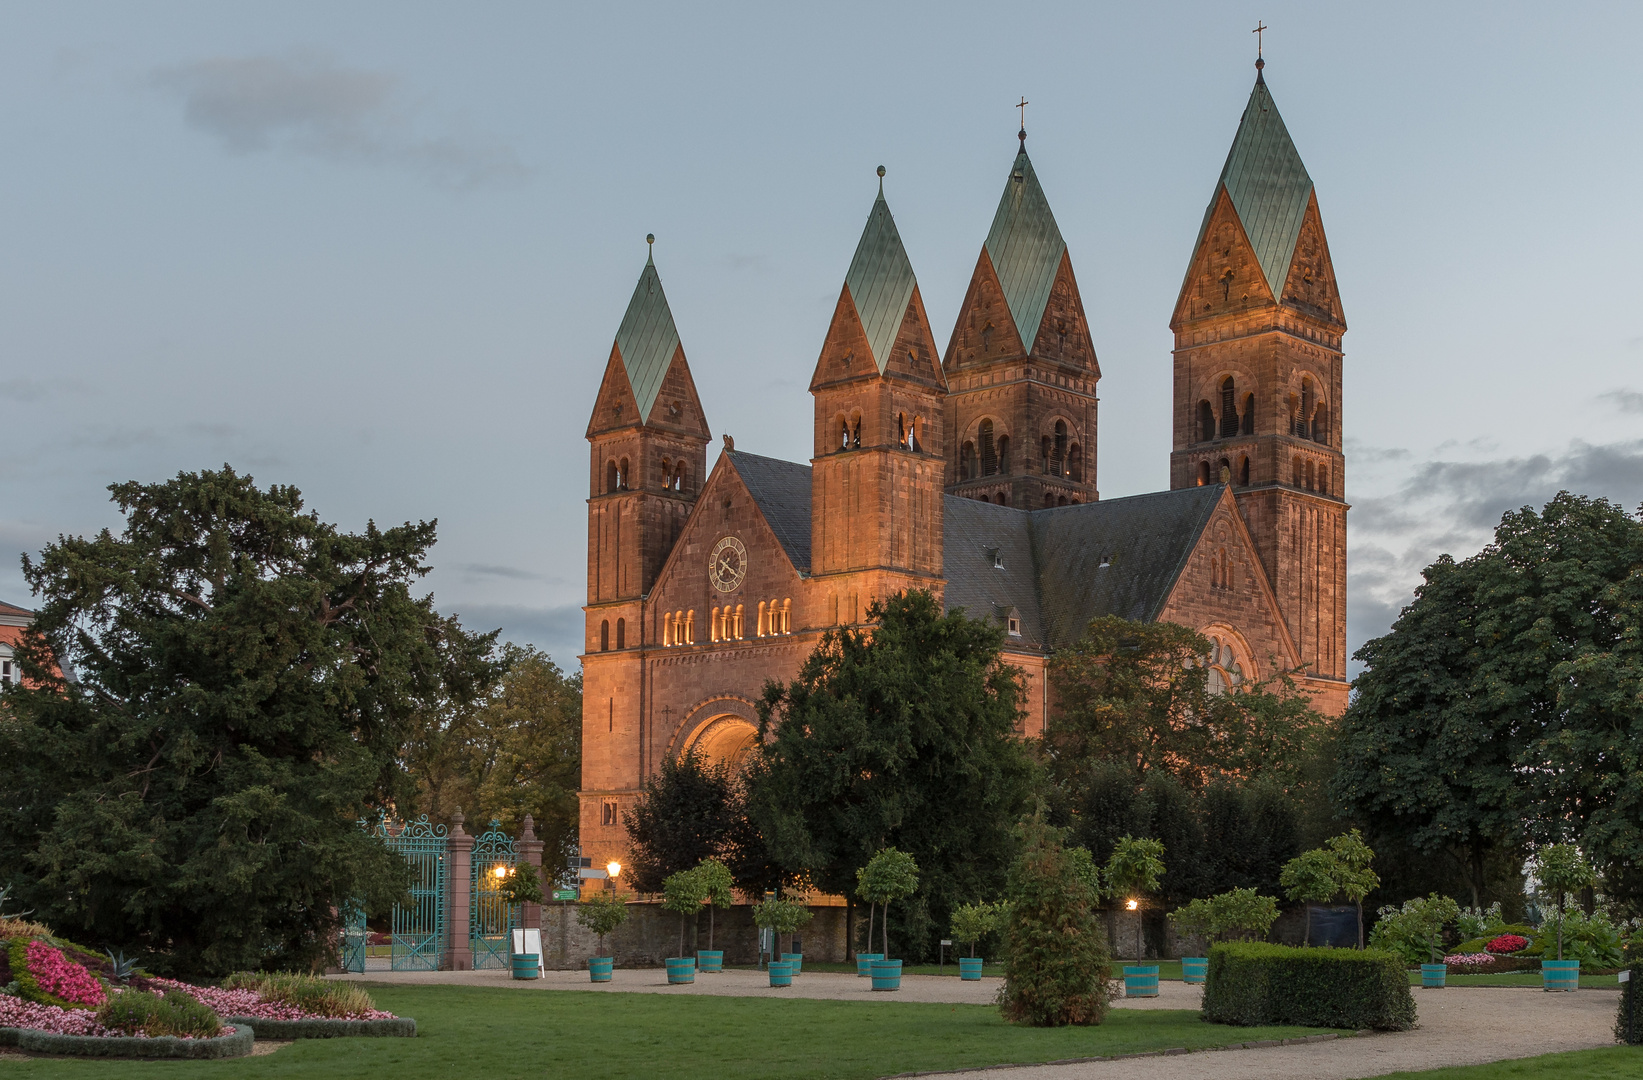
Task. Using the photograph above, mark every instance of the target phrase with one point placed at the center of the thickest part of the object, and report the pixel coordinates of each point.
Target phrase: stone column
(458, 943)
(530, 851)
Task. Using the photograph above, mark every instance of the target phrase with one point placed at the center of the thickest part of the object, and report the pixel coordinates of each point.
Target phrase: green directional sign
(564, 894)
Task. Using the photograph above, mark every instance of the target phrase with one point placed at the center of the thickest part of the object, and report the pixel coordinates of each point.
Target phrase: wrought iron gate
(492, 918)
(355, 937)
(418, 929)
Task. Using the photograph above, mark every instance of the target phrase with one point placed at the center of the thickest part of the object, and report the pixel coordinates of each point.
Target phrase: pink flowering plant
(1470, 962)
(17, 1013)
(48, 977)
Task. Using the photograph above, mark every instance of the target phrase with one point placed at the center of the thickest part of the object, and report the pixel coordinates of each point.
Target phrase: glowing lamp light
(1133, 904)
(501, 871)
(613, 868)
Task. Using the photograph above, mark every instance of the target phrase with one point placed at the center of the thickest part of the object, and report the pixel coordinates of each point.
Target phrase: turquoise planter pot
(527, 965)
(1560, 974)
(710, 961)
(864, 963)
(599, 968)
(796, 959)
(969, 968)
(781, 973)
(1433, 975)
(681, 969)
(1194, 969)
(1141, 981)
(886, 974)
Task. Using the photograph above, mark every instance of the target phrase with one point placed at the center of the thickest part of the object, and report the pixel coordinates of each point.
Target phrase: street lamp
(501, 871)
(1133, 904)
(613, 870)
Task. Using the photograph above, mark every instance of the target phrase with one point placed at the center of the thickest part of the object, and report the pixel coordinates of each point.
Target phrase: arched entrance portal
(726, 739)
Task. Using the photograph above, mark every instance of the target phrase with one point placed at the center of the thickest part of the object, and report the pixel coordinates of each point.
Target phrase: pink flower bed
(246, 1003)
(1476, 960)
(61, 977)
(1508, 943)
(17, 1013)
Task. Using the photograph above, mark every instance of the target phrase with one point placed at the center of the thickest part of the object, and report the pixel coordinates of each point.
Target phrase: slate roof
(987, 555)
(647, 339)
(782, 491)
(1268, 184)
(1147, 539)
(1025, 247)
(881, 281)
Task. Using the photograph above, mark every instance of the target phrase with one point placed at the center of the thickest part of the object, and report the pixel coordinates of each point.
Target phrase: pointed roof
(647, 339)
(881, 281)
(782, 491)
(1268, 185)
(1025, 247)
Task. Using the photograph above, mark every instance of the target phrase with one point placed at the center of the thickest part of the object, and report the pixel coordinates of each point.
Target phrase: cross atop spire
(1260, 27)
(1022, 134)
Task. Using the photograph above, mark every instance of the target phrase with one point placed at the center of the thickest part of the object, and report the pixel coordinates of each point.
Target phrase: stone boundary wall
(651, 935)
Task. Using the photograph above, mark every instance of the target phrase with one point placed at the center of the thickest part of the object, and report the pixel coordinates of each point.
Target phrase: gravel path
(1458, 1025)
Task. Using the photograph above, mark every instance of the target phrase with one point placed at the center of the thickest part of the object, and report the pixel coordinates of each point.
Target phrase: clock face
(727, 566)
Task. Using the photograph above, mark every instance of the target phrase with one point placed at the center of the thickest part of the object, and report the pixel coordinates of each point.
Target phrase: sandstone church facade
(972, 474)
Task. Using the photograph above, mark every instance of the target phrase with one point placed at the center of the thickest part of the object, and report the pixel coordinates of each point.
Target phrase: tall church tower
(1258, 330)
(1021, 366)
(648, 459)
(876, 515)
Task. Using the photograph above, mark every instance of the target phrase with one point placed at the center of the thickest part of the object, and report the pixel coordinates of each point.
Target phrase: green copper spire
(881, 280)
(647, 338)
(1025, 247)
(1268, 184)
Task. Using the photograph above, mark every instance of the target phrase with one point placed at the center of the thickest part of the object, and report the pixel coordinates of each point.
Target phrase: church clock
(727, 566)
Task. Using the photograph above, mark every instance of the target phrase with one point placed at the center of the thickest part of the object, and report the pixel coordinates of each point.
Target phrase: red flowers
(1507, 943)
(63, 978)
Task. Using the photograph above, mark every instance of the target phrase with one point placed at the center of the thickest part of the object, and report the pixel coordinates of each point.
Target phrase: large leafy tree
(900, 735)
(516, 750)
(1505, 707)
(247, 674)
(1139, 694)
(694, 810)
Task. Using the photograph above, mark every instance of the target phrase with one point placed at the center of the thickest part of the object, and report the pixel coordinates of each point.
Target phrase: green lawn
(497, 1033)
(1609, 1063)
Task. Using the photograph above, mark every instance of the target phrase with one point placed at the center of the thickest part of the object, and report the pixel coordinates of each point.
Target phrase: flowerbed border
(236, 1044)
(325, 1028)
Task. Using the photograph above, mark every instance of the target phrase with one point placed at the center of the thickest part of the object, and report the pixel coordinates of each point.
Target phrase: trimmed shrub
(230, 1044)
(402, 1026)
(136, 1012)
(1056, 962)
(1252, 984)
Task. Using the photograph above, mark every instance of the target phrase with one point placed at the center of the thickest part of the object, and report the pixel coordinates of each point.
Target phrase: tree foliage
(1505, 707)
(1239, 913)
(1562, 869)
(601, 913)
(1056, 961)
(247, 675)
(899, 735)
(888, 876)
(691, 810)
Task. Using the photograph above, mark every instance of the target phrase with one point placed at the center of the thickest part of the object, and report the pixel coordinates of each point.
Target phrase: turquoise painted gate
(492, 918)
(418, 930)
(355, 936)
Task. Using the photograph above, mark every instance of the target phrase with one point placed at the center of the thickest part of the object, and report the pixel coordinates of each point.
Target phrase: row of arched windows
(1233, 421)
(674, 475)
(989, 454)
(621, 634)
(775, 617)
(726, 624)
(1222, 472)
(1307, 418)
(1311, 475)
(679, 628)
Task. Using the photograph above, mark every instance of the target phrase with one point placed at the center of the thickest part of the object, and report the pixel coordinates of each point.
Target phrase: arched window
(916, 431)
(986, 338)
(1203, 473)
(855, 432)
(1311, 481)
(1243, 472)
(1323, 479)
(901, 429)
(1320, 425)
(1075, 464)
(611, 479)
(681, 478)
(713, 626)
(667, 475)
(1297, 474)
(604, 636)
(967, 462)
(844, 434)
(622, 475)
(621, 633)
(1061, 500)
(989, 452)
(1206, 421)
(763, 629)
(736, 624)
(690, 627)
(1058, 452)
(1223, 472)
(1045, 466)
(1303, 417)
(787, 616)
(1229, 408)
(1004, 454)
(1049, 498)
(1246, 419)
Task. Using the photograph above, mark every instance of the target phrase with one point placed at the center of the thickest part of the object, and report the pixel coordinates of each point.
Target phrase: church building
(972, 473)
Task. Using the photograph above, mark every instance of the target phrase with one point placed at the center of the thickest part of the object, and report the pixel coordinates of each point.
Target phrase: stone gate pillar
(458, 943)
(530, 851)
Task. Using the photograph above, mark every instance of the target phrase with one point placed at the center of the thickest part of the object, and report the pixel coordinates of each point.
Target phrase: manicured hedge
(235, 1044)
(1255, 984)
(1628, 1021)
(320, 1028)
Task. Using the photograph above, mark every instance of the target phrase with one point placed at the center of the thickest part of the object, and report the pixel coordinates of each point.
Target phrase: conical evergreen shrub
(1056, 960)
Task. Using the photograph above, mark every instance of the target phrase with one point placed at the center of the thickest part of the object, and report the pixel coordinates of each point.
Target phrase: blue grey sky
(380, 250)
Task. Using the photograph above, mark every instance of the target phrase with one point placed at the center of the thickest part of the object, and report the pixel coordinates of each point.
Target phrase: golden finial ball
(650, 238)
(881, 172)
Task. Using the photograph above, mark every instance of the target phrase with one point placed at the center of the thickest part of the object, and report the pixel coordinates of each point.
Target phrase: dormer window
(1106, 561)
(997, 556)
(1015, 626)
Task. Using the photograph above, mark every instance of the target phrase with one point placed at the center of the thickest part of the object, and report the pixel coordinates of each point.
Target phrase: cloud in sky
(557, 631)
(1454, 506)
(306, 104)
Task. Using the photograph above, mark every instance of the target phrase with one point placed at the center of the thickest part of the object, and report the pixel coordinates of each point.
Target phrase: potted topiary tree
(1240, 913)
(1134, 869)
(602, 913)
(717, 885)
(783, 918)
(1310, 878)
(1353, 877)
(1562, 869)
(1416, 932)
(523, 886)
(683, 892)
(971, 923)
(889, 875)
